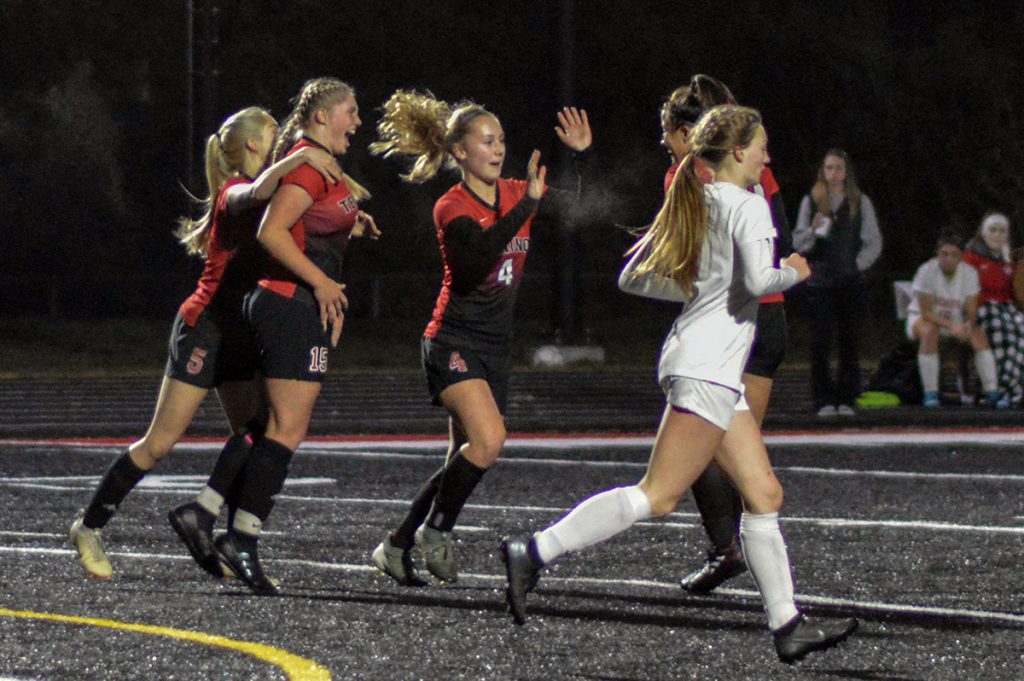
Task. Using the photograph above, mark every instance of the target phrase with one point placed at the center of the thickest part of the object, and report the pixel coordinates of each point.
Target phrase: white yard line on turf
(868, 607)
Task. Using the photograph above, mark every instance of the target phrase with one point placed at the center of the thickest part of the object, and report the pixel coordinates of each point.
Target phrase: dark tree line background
(95, 118)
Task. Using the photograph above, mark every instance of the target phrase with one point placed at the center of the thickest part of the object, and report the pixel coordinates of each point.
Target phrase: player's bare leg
(744, 457)
(176, 406)
(720, 507)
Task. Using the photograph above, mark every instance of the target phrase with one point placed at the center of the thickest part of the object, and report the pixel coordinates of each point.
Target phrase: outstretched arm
(472, 251)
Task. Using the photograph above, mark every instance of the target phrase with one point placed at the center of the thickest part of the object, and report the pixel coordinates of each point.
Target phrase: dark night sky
(925, 96)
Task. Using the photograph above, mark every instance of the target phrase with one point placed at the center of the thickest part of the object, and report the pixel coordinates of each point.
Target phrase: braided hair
(317, 93)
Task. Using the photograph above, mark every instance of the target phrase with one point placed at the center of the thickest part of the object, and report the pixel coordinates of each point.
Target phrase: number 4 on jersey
(506, 274)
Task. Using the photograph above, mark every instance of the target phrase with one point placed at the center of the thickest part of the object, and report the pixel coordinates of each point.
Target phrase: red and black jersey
(484, 249)
(232, 259)
(995, 276)
(323, 230)
(768, 188)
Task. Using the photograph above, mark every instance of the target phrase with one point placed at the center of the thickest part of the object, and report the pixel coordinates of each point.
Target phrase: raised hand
(535, 174)
(574, 128)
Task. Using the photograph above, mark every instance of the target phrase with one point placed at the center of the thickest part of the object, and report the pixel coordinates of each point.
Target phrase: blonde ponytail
(675, 240)
(224, 159)
(676, 237)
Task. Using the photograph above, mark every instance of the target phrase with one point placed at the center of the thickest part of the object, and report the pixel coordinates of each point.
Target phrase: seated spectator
(945, 305)
(989, 253)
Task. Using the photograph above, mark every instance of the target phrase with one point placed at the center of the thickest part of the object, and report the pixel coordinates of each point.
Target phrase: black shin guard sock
(459, 479)
(265, 471)
(229, 464)
(402, 538)
(117, 482)
(234, 494)
(719, 505)
(257, 427)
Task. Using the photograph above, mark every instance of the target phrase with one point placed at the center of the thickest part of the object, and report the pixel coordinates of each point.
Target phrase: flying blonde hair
(424, 128)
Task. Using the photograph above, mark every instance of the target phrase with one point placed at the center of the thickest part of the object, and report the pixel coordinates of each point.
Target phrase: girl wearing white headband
(998, 315)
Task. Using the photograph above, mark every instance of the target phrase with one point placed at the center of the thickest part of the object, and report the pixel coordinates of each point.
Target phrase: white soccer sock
(596, 519)
(985, 362)
(928, 367)
(765, 552)
(211, 500)
(247, 523)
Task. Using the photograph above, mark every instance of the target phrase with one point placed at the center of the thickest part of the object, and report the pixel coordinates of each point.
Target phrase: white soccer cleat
(90, 549)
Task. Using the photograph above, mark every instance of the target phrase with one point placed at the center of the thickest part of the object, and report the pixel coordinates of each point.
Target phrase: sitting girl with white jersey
(945, 305)
(710, 247)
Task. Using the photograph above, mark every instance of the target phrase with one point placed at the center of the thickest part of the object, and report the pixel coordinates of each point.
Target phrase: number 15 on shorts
(318, 360)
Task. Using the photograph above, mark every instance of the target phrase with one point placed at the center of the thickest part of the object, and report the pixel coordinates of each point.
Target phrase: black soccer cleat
(245, 563)
(801, 635)
(194, 526)
(717, 568)
(522, 573)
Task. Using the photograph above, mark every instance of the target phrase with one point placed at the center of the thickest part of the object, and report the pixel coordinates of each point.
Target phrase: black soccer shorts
(769, 342)
(446, 365)
(219, 348)
(291, 339)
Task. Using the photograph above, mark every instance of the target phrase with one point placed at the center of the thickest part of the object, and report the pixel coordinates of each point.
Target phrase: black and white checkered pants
(1004, 325)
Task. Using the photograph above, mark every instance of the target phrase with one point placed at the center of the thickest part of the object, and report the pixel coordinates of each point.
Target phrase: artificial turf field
(920, 534)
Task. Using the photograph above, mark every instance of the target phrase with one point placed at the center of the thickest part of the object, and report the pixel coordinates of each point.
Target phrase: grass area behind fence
(46, 347)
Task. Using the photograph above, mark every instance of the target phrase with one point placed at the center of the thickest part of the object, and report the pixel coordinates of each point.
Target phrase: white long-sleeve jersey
(711, 338)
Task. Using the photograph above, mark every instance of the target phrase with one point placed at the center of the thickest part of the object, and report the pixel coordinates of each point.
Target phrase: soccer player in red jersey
(483, 228)
(297, 308)
(716, 498)
(210, 346)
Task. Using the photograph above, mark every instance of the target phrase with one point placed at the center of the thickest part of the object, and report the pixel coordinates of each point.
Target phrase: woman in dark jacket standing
(837, 230)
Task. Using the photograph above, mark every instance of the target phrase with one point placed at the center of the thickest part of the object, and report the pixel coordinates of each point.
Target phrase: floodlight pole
(201, 76)
(568, 241)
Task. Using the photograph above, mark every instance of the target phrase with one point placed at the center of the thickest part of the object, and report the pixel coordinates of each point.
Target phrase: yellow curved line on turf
(297, 668)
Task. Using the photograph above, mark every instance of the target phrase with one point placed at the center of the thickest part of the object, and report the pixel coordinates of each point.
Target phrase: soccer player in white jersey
(710, 248)
(945, 305)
